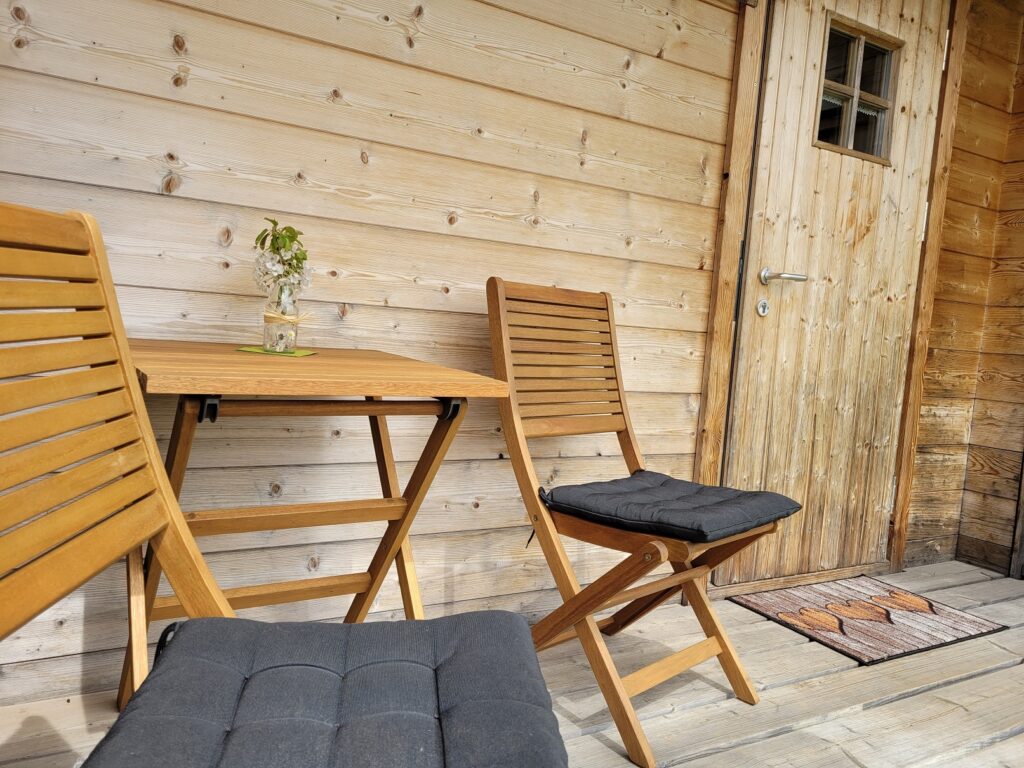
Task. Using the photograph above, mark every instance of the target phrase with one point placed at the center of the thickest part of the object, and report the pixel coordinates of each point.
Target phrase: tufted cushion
(462, 691)
(650, 502)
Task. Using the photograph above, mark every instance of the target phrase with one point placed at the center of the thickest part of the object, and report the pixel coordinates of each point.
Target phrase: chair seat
(456, 692)
(650, 502)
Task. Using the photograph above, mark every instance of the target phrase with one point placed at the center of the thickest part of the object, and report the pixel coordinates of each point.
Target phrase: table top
(201, 368)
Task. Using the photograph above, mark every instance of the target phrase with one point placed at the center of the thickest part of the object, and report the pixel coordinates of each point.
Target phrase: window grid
(849, 96)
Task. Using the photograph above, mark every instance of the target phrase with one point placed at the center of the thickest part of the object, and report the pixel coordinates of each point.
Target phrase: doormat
(866, 619)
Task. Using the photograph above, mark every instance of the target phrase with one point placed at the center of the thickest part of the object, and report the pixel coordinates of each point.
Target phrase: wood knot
(445, 289)
(417, 11)
(386, 19)
(536, 195)
(225, 264)
(365, 158)
(409, 41)
(19, 13)
(179, 45)
(179, 79)
(275, 490)
(332, 273)
(20, 42)
(343, 311)
(629, 242)
(584, 137)
(225, 236)
(535, 221)
(170, 183)
(313, 563)
(300, 177)
(627, 64)
(170, 157)
(335, 93)
(452, 218)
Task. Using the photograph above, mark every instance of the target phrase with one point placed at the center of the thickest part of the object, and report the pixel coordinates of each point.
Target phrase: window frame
(861, 36)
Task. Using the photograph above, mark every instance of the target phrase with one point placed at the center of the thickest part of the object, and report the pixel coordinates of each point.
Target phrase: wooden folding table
(215, 381)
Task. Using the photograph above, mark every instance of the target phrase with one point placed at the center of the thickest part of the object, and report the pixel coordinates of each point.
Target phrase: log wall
(967, 475)
(421, 145)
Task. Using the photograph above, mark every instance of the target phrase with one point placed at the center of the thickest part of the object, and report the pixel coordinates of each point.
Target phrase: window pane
(837, 57)
(868, 129)
(833, 114)
(874, 72)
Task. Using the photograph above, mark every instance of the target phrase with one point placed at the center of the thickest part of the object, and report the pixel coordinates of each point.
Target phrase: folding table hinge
(449, 408)
(209, 407)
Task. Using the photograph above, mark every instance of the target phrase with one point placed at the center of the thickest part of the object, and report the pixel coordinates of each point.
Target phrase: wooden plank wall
(422, 145)
(993, 480)
(972, 421)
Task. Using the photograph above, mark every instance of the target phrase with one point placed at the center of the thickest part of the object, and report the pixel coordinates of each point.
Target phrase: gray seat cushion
(461, 691)
(650, 502)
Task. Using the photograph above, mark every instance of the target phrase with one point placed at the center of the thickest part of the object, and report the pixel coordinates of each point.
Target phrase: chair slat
(35, 425)
(24, 262)
(39, 326)
(572, 425)
(57, 356)
(25, 544)
(30, 500)
(44, 390)
(570, 347)
(37, 294)
(560, 358)
(558, 385)
(572, 396)
(22, 227)
(551, 295)
(557, 310)
(50, 577)
(562, 372)
(546, 321)
(525, 332)
(569, 409)
(42, 458)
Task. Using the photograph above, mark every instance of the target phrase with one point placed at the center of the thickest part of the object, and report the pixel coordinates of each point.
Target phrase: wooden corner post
(743, 114)
(913, 390)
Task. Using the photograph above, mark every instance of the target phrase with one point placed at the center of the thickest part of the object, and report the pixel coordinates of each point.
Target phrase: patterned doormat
(866, 619)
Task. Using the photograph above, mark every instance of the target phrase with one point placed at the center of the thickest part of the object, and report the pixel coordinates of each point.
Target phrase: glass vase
(281, 320)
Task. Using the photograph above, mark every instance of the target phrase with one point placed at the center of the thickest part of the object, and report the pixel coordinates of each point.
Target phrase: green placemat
(293, 353)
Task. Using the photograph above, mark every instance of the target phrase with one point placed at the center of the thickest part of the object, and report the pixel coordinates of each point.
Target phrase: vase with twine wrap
(282, 272)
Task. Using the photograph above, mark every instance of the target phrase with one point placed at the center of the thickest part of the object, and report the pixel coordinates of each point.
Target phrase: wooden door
(818, 380)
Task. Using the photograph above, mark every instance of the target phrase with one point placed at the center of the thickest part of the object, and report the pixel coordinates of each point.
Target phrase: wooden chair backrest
(557, 350)
(81, 483)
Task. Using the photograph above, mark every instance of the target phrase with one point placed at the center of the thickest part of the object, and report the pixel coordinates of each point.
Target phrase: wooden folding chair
(81, 486)
(557, 350)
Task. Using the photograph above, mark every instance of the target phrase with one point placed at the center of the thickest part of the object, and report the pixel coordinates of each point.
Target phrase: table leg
(186, 420)
(396, 535)
(412, 602)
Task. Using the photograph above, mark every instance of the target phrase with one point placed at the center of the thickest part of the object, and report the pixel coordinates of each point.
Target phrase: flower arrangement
(281, 271)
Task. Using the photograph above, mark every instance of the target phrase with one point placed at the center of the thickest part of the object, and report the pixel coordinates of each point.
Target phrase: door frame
(719, 357)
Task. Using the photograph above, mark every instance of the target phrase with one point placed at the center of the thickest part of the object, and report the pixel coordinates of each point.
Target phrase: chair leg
(619, 705)
(712, 626)
(636, 610)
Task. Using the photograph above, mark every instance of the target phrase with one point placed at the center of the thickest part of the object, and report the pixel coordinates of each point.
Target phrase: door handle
(766, 275)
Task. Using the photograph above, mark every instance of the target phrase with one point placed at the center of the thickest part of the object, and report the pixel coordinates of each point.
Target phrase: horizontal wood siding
(422, 146)
(972, 420)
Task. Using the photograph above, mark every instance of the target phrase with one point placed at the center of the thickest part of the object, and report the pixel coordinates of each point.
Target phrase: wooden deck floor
(955, 707)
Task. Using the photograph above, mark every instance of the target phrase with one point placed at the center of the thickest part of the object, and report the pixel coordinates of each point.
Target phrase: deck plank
(935, 727)
(957, 707)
